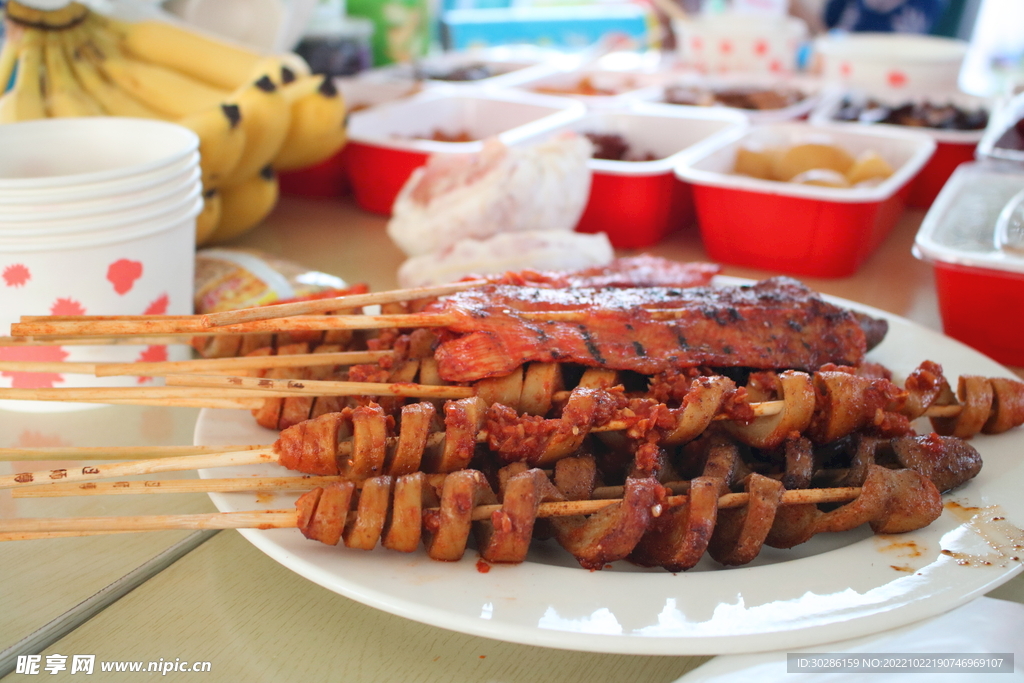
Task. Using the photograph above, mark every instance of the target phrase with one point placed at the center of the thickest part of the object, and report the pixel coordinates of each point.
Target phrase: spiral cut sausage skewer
(646, 525)
(825, 407)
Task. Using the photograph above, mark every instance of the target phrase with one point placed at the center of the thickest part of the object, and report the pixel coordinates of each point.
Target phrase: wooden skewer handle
(40, 535)
(151, 486)
(335, 304)
(256, 519)
(281, 519)
(323, 387)
(186, 462)
(107, 328)
(161, 369)
(114, 453)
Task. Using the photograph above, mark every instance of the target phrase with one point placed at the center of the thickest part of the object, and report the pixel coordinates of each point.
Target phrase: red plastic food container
(387, 143)
(637, 203)
(801, 229)
(974, 237)
(953, 147)
(330, 178)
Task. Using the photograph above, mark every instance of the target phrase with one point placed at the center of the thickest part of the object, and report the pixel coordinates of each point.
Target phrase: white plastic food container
(794, 228)
(389, 142)
(721, 43)
(953, 147)
(594, 87)
(497, 67)
(974, 237)
(810, 90)
(898, 61)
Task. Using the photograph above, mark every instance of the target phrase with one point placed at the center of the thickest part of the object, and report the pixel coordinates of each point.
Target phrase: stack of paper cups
(97, 217)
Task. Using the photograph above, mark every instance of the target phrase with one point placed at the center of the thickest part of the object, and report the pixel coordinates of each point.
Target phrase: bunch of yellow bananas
(254, 115)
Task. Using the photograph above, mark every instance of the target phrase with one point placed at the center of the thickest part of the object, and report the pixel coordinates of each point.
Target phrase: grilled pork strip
(777, 323)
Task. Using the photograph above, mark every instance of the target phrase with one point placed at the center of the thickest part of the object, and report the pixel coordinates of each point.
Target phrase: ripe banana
(64, 17)
(166, 91)
(265, 117)
(283, 69)
(24, 102)
(317, 128)
(208, 218)
(63, 94)
(170, 93)
(115, 102)
(245, 204)
(9, 55)
(221, 141)
(220, 64)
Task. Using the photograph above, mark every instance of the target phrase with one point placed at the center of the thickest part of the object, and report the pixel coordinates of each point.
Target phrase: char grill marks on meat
(777, 323)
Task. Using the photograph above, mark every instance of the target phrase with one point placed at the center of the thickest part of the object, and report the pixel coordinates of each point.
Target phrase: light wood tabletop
(225, 602)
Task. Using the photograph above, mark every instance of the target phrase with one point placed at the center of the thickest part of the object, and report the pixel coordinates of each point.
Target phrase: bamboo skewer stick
(201, 365)
(323, 387)
(114, 452)
(140, 340)
(131, 394)
(194, 326)
(40, 535)
(313, 306)
(46, 327)
(83, 318)
(222, 403)
(61, 367)
(236, 485)
(163, 368)
(153, 486)
(173, 464)
(285, 519)
(258, 519)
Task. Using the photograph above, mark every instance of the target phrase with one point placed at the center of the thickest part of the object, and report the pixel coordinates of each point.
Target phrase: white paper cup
(109, 190)
(172, 200)
(48, 211)
(141, 268)
(63, 153)
(720, 43)
(879, 61)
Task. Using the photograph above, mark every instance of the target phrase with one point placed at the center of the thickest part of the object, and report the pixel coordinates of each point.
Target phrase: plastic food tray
(952, 147)
(511, 64)
(794, 228)
(329, 178)
(810, 87)
(979, 267)
(623, 85)
(388, 143)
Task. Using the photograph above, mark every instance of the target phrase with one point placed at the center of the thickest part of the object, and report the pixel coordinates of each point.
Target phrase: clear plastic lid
(977, 220)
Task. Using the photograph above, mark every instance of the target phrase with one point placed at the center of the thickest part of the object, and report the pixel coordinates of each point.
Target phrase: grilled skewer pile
(760, 392)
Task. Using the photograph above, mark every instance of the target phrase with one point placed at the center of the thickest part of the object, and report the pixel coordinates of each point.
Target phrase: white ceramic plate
(835, 587)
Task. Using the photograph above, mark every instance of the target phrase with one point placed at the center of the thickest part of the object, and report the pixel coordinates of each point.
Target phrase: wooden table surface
(225, 602)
